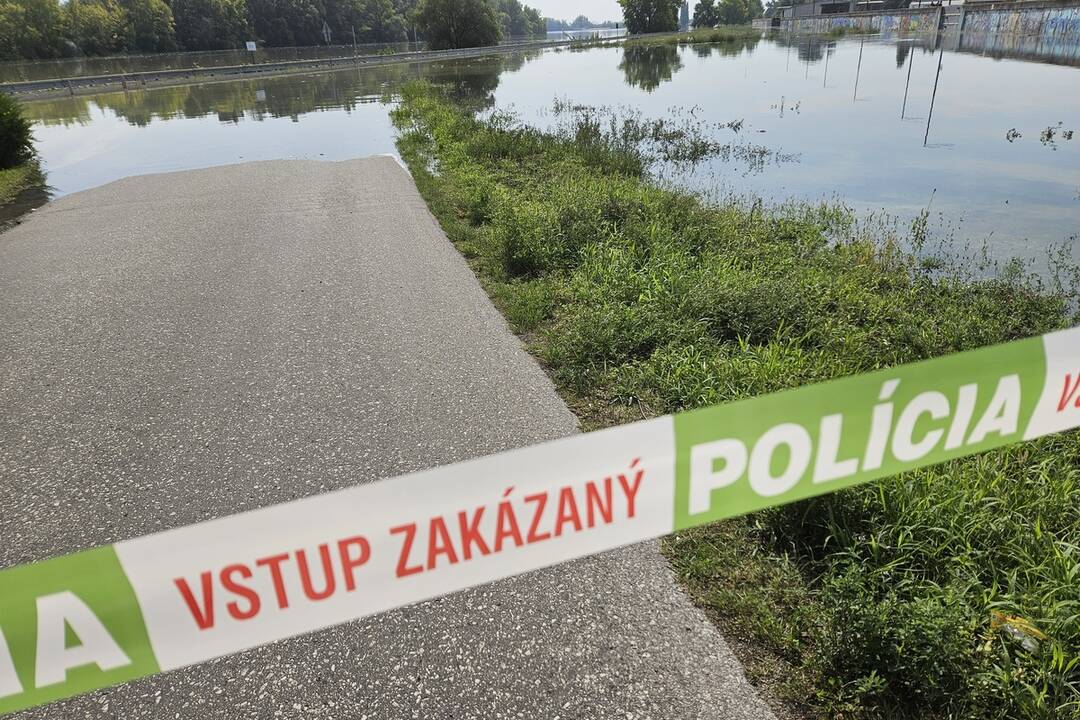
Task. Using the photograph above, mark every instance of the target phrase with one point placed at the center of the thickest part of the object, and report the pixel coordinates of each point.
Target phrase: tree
(645, 16)
(448, 24)
(97, 27)
(30, 29)
(517, 20)
(739, 12)
(705, 15)
(150, 25)
(210, 24)
(287, 22)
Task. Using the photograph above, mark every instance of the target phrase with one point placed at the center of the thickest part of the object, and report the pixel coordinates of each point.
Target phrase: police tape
(108, 615)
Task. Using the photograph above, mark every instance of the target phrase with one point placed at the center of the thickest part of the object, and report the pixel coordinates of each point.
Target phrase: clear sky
(597, 10)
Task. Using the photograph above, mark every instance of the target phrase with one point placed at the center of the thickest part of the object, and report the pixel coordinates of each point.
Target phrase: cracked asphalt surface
(185, 346)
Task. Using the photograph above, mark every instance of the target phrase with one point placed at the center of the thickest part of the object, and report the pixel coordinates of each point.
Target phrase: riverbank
(948, 592)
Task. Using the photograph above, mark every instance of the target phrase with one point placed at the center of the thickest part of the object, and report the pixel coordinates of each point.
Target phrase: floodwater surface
(991, 153)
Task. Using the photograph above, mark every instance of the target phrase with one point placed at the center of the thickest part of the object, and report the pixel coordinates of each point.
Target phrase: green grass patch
(950, 592)
(17, 179)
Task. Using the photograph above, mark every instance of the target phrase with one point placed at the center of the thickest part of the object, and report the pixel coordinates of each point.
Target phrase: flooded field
(991, 152)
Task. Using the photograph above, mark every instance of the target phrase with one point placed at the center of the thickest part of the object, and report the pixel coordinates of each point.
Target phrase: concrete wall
(1054, 21)
(1048, 22)
(912, 20)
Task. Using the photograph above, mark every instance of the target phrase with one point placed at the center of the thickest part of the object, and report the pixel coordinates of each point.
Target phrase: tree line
(649, 16)
(581, 22)
(40, 29)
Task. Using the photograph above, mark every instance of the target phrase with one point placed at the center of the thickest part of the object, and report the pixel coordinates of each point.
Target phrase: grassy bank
(19, 168)
(14, 181)
(945, 593)
(722, 33)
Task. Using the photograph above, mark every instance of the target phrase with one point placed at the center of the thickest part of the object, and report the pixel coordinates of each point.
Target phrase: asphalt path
(185, 346)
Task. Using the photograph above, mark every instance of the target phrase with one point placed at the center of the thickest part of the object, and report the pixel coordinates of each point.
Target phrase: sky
(569, 9)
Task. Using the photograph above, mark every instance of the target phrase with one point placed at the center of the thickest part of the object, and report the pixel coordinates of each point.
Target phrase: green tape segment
(68, 626)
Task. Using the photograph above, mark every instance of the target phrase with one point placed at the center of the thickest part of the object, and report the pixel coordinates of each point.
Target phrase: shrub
(16, 141)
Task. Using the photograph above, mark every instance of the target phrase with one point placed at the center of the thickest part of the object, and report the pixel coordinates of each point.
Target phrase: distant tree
(30, 29)
(210, 24)
(97, 27)
(288, 22)
(705, 15)
(449, 24)
(150, 25)
(374, 20)
(738, 12)
(517, 20)
(645, 16)
(534, 22)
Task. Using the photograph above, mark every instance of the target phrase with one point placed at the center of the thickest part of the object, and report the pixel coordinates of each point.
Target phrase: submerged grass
(723, 33)
(949, 592)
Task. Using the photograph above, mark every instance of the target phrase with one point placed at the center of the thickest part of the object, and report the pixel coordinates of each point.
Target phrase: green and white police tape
(80, 622)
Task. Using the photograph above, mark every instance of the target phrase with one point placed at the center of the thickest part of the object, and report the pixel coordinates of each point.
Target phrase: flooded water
(996, 163)
(78, 67)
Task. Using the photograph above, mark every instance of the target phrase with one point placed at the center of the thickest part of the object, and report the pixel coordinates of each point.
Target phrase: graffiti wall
(900, 21)
(1049, 23)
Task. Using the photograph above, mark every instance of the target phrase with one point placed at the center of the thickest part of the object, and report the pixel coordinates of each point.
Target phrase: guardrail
(142, 78)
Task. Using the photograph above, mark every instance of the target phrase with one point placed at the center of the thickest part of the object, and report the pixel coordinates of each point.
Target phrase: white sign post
(250, 44)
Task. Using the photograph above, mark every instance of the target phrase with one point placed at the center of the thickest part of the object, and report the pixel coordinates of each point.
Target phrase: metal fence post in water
(933, 96)
(858, 69)
(911, 61)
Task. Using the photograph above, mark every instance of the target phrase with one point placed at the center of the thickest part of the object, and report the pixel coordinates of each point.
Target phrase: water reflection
(725, 49)
(648, 66)
(1017, 46)
(984, 165)
(473, 81)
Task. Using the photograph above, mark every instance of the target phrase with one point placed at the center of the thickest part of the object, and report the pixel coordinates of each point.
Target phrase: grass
(721, 33)
(951, 592)
(15, 180)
